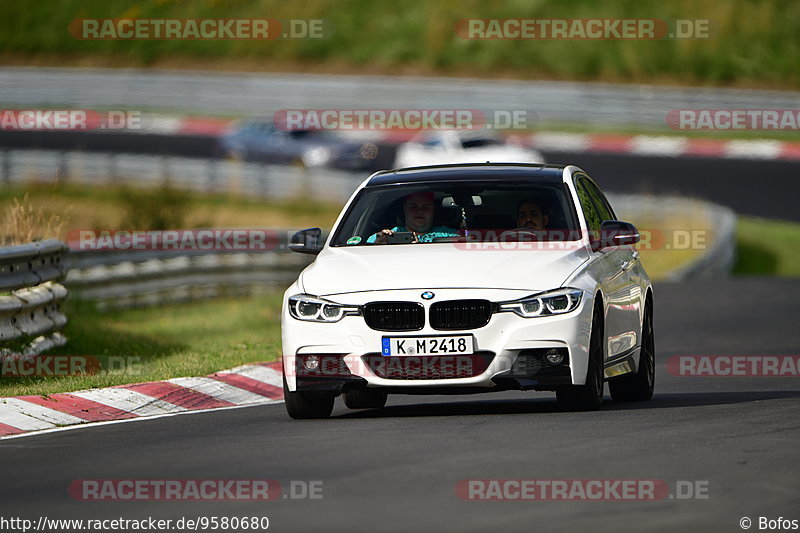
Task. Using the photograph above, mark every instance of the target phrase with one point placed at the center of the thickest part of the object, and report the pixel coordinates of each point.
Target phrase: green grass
(109, 207)
(161, 342)
(753, 43)
(767, 247)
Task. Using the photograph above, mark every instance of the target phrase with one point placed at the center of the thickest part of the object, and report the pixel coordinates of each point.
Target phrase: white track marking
(124, 421)
(753, 149)
(566, 142)
(259, 373)
(662, 146)
(11, 416)
(42, 413)
(129, 400)
(220, 390)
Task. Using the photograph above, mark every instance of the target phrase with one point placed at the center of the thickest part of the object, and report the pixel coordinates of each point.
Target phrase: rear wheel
(307, 404)
(639, 387)
(365, 399)
(589, 396)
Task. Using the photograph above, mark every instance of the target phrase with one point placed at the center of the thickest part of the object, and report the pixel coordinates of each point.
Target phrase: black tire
(300, 405)
(589, 396)
(365, 399)
(639, 387)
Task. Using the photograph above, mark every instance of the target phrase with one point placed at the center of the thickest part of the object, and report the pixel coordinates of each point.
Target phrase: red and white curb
(647, 145)
(245, 385)
(663, 146)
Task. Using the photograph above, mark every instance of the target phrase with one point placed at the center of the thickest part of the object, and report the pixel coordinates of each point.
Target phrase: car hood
(438, 265)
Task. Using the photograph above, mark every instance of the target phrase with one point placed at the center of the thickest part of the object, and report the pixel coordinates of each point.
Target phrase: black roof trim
(468, 171)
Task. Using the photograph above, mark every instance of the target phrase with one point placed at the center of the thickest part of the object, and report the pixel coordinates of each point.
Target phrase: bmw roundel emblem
(427, 295)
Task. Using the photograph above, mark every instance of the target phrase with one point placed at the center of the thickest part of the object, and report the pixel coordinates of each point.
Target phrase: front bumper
(509, 351)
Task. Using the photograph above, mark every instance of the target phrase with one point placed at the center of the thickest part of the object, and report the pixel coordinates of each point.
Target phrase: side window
(593, 218)
(431, 141)
(600, 200)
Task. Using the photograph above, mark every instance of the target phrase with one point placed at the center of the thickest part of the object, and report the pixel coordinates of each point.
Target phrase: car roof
(469, 172)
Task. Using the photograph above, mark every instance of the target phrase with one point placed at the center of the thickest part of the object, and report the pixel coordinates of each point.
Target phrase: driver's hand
(383, 236)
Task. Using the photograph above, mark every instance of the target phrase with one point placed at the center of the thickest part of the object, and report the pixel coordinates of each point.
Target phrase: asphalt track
(396, 469)
(765, 188)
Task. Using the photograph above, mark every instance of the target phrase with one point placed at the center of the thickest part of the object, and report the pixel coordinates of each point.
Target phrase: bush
(154, 209)
(24, 222)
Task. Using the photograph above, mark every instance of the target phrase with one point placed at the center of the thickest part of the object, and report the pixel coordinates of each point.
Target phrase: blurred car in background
(261, 140)
(441, 147)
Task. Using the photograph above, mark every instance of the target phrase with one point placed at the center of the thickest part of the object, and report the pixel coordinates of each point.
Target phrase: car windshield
(480, 142)
(453, 212)
(309, 134)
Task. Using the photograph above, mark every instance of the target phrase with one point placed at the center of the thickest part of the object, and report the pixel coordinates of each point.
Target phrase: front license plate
(403, 346)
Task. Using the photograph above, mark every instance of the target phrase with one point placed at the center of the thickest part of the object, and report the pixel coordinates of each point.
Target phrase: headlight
(369, 151)
(548, 303)
(313, 309)
(317, 157)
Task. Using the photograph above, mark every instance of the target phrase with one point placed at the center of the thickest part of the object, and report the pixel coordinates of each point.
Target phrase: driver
(418, 211)
(530, 216)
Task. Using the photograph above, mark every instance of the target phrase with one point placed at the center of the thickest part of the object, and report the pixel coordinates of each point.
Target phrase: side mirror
(615, 233)
(307, 241)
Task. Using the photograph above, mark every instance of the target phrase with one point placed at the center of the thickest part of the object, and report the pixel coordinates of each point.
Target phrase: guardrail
(30, 297)
(135, 279)
(719, 258)
(719, 222)
(188, 173)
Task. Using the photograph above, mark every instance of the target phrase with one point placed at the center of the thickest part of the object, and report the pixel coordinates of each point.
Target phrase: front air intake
(460, 314)
(394, 316)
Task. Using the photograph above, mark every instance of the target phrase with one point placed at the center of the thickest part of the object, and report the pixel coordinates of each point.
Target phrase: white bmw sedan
(458, 279)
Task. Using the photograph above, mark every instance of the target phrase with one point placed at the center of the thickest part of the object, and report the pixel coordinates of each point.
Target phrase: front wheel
(639, 387)
(589, 396)
(300, 405)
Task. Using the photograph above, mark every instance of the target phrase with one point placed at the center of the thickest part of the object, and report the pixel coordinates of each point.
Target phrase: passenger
(418, 211)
